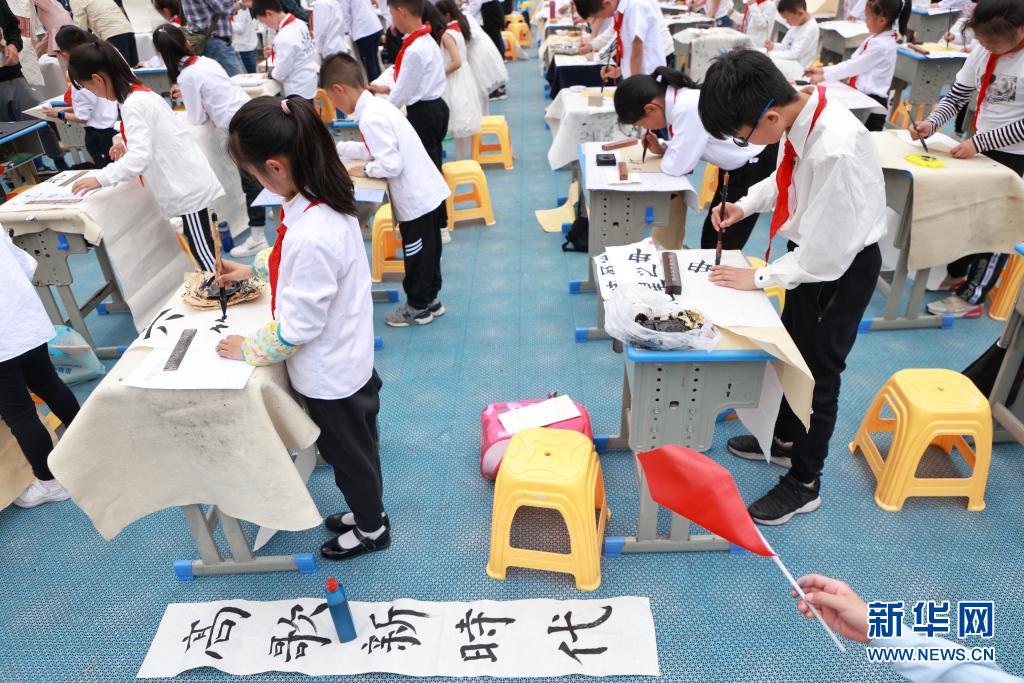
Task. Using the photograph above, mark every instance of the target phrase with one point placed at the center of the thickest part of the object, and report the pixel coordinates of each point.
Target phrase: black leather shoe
(331, 551)
(334, 523)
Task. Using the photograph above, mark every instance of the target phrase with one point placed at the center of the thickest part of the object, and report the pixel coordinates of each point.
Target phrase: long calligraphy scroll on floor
(522, 638)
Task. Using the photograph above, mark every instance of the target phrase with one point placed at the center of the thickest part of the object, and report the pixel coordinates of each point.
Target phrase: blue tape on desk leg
(601, 442)
(649, 215)
(574, 286)
(725, 415)
(581, 334)
(62, 243)
(305, 562)
(566, 227)
(561, 200)
(101, 308)
(392, 295)
(613, 546)
(947, 321)
(864, 326)
(737, 550)
(121, 349)
(547, 127)
(183, 570)
(378, 343)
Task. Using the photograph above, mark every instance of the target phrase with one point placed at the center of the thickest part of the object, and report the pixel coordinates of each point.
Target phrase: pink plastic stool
(494, 439)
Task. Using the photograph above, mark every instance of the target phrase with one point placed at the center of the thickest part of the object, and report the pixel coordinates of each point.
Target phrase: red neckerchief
(190, 60)
(67, 94)
(675, 95)
(176, 20)
(852, 81)
(289, 18)
(619, 49)
(986, 80)
(406, 42)
(274, 261)
(746, 12)
(784, 177)
(124, 136)
(454, 26)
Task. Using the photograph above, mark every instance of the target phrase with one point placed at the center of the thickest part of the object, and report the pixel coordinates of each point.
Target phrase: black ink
(607, 270)
(572, 628)
(149, 330)
(219, 631)
(699, 267)
(471, 653)
(283, 645)
(650, 271)
(656, 286)
(483, 625)
(564, 647)
(219, 327)
(639, 257)
(394, 638)
(467, 623)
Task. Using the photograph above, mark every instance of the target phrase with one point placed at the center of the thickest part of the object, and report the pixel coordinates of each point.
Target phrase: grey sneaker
(436, 308)
(746, 446)
(405, 315)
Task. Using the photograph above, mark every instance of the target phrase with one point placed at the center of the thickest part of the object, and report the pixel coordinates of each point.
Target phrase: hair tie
(284, 106)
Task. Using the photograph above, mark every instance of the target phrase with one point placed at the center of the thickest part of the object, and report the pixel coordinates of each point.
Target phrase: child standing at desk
(639, 47)
(292, 51)
(800, 44)
(244, 37)
(210, 95)
(995, 70)
(872, 66)
(668, 98)
(416, 188)
(485, 61)
(419, 77)
(828, 196)
(460, 92)
(758, 20)
(320, 299)
(156, 148)
(363, 24)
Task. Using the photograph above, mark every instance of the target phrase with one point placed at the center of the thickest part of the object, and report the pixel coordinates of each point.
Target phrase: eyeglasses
(745, 140)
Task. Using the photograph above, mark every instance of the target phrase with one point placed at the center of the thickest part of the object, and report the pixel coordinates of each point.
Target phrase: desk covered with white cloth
(573, 121)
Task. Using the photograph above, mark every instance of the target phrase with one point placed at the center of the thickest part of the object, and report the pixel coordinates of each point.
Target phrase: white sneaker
(252, 246)
(446, 236)
(39, 492)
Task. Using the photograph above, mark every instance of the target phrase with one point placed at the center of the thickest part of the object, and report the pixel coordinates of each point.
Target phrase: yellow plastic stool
(324, 107)
(522, 32)
(468, 172)
(555, 469)
(499, 152)
(385, 246)
(708, 185)
(930, 408)
(1002, 297)
(511, 45)
(899, 117)
(775, 291)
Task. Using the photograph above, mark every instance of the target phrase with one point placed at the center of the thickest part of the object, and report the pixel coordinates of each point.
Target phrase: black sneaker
(331, 551)
(788, 498)
(746, 446)
(336, 523)
(436, 308)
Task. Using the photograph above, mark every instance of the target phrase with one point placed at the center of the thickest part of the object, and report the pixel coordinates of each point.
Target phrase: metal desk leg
(49, 304)
(384, 296)
(620, 441)
(117, 303)
(1009, 420)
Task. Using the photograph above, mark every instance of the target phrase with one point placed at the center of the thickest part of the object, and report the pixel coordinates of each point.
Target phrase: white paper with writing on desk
(938, 142)
(540, 414)
(56, 191)
(847, 29)
(201, 368)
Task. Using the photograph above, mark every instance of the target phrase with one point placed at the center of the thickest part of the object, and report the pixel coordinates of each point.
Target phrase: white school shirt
(837, 199)
(1004, 99)
(244, 36)
(161, 149)
(22, 316)
(760, 21)
(422, 76)
(209, 94)
(800, 44)
(96, 112)
(922, 671)
(323, 301)
(641, 19)
(394, 151)
(295, 59)
(873, 64)
(854, 9)
(689, 142)
(329, 28)
(360, 19)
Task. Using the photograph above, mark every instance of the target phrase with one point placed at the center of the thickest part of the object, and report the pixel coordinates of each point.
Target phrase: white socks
(348, 540)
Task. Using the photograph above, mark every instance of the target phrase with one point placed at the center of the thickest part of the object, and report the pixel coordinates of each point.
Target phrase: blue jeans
(221, 52)
(248, 60)
(725, 22)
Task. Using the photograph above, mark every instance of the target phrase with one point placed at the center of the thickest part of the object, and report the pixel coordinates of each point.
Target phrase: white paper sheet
(539, 414)
(938, 141)
(847, 29)
(56, 190)
(201, 368)
(522, 638)
(760, 421)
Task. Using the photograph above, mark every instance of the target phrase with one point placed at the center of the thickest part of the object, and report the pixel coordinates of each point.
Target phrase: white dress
(461, 93)
(487, 63)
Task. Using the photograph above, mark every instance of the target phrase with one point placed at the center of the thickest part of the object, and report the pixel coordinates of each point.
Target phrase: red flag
(702, 491)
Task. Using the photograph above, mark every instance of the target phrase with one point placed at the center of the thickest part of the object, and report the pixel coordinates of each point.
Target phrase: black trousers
(392, 45)
(822, 318)
(982, 270)
(252, 188)
(125, 44)
(493, 16)
(421, 250)
(876, 122)
(349, 443)
(200, 240)
(740, 181)
(367, 47)
(97, 144)
(33, 371)
(429, 118)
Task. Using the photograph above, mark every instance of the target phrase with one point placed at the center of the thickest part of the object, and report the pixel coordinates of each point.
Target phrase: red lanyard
(986, 80)
(619, 48)
(274, 262)
(406, 42)
(176, 20)
(454, 26)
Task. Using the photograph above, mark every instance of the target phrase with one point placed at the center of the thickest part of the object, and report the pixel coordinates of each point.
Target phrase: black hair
(636, 92)
(447, 8)
(793, 6)
(997, 18)
(172, 46)
(268, 126)
(261, 7)
(342, 68)
(70, 36)
(172, 6)
(99, 56)
(413, 7)
(896, 12)
(587, 8)
(737, 88)
(432, 18)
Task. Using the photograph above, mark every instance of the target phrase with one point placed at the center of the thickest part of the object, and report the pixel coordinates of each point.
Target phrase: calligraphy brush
(949, 27)
(721, 217)
(643, 143)
(910, 116)
(218, 267)
(607, 64)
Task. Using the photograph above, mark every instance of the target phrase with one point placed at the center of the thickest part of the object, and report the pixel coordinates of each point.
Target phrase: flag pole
(800, 591)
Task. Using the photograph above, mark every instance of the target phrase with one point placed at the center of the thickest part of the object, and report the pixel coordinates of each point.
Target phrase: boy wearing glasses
(828, 200)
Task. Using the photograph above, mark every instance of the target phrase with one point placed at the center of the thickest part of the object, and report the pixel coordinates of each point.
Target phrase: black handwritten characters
(298, 634)
(700, 266)
(572, 628)
(474, 651)
(640, 256)
(219, 630)
(160, 319)
(401, 635)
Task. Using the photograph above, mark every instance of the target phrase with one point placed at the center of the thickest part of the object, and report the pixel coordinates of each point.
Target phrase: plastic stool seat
(554, 469)
(708, 185)
(385, 246)
(491, 152)
(930, 408)
(1003, 296)
(461, 173)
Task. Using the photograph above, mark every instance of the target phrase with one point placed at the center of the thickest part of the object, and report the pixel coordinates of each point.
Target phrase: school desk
(70, 134)
(123, 227)
(621, 214)
(132, 452)
(1009, 417)
(840, 39)
(20, 146)
(565, 71)
(696, 48)
(573, 121)
(681, 22)
(926, 75)
(154, 78)
(931, 23)
(567, 44)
